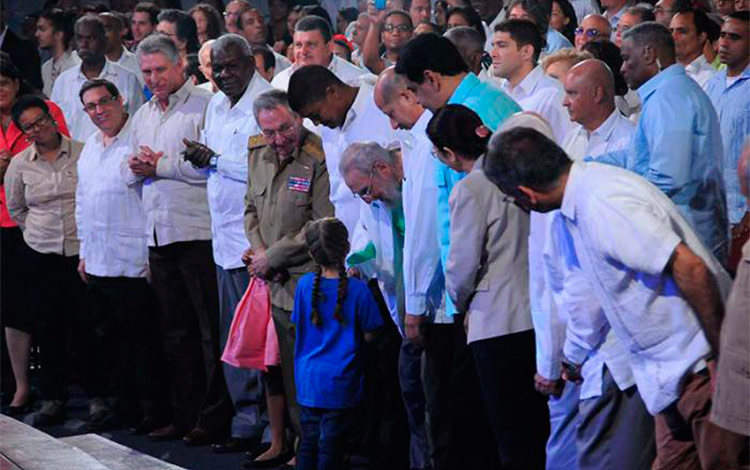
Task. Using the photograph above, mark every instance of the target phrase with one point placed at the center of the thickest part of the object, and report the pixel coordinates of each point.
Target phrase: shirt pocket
(259, 195)
(38, 188)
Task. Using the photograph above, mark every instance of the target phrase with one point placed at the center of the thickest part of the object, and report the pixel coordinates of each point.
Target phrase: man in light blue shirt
(729, 91)
(437, 74)
(677, 144)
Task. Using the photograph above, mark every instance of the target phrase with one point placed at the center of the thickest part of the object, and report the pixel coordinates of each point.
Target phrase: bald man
(590, 100)
(593, 27)
(204, 61)
(421, 250)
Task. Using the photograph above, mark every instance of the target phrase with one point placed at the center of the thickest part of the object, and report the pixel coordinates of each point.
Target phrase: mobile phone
(380, 4)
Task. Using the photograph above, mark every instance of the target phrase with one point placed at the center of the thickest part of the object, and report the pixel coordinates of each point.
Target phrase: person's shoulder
(76, 146)
(256, 142)
(313, 147)
(358, 287)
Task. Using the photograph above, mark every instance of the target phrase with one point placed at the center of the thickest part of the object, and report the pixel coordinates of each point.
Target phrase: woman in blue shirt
(332, 314)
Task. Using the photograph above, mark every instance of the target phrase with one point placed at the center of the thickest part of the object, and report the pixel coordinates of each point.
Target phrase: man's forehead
(736, 26)
(313, 35)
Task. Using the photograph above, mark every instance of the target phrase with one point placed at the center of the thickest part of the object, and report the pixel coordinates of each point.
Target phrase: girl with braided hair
(333, 315)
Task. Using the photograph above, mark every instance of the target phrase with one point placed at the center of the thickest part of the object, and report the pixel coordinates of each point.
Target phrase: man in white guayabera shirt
(661, 291)
(223, 155)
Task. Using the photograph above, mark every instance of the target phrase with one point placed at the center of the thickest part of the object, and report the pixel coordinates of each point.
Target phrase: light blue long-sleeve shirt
(493, 106)
(556, 41)
(732, 104)
(677, 147)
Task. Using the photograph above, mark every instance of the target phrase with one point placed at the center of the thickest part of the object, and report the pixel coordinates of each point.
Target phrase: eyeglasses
(91, 107)
(401, 28)
(37, 125)
(590, 33)
(283, 131)
(367, 190)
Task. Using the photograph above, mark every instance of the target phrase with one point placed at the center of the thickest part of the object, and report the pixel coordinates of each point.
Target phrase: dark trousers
(184, 279)
(412, 391)
(244, 385)
(386, 437)
(517, 413)
(459, 431)
(127, 344)
(63, 319)
(324, 436)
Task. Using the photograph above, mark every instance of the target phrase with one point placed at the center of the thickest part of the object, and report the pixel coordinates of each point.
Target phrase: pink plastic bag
(252, 341)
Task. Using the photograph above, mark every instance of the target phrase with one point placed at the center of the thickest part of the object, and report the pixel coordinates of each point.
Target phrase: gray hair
(271, 100)
(159, 44)
(654, 35)
(466, 39)
(362, 156)
(232, 40)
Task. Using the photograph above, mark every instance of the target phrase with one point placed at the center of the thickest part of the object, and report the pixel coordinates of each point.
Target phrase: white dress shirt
(68, 84)
(109, 213)
(364, 122)
(613, 134)
(129, 61)
(226, 133)
(700, 70)
(424, 283)
(53, 68)
(543, 95)
(282, 63)
(175, 199)
(624, 231)
(345, 71)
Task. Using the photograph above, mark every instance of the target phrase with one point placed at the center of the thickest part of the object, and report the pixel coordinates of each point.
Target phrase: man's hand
(247, 257)
(196, 153)
(144, 164)
(572, 372)
(413, 329)
(548, 387)
(82, 271)
(354, 272)
(259, 264)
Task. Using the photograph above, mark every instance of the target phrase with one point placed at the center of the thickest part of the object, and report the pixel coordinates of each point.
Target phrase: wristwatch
(213, 162)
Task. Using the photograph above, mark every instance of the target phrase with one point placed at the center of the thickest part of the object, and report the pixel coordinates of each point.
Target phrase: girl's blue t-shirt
(327, 359)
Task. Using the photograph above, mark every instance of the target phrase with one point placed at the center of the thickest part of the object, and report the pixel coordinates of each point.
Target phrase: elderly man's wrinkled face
(281, 128)
(232, 71)
(379, 184)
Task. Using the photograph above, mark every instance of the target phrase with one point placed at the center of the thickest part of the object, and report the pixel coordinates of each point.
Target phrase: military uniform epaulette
(313, 147)
(256, 141)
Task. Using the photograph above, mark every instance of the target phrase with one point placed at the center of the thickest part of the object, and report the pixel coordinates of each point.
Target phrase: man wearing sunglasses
(592, 28)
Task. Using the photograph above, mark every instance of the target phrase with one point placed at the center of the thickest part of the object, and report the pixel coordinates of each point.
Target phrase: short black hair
(151, 9)
(315, 23)
(269, 60)
(401, 13)
(308, 85)
(185, 26)
(24, 103)
(317, 11)
(523, 32)
(96, 83)
(524, 157)
(454, 126)
(192, 68)
(743, 15)
(609, 53)
(61, 20)
(645, 14)
(700, 19)
(540, 10)
(429, 52)
(349, 14)
(471, 17)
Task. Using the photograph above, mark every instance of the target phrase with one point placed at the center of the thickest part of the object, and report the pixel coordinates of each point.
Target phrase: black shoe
(16, 411)
(281, 459)
(167, 433)
(147, 425)
(253, 453)
(233, 445)
(200, 437)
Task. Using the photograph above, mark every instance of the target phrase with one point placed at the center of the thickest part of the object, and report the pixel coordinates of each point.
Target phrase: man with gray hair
(287, 187)
(204, 61)
(469, 43)
(91, 44)
(222, 153)
(179, 228)
(677, 143)
(590, 100)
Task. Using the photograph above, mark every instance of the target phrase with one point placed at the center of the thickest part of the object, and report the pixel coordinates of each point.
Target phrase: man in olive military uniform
(287, 188)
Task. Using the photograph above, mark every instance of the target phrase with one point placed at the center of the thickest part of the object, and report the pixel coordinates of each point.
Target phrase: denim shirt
(677, 147)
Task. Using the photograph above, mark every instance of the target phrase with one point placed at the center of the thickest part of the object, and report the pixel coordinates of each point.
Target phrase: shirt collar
(697, 64)
(530, 82)
(648, 88)
(107, 70)
(2, 35)
(420, 127)
(125, 129)
(245, 104)
(179, 96)
(478, 163)
(743, 76)
(64, 149)
(464, 89)
(358, 105)
(606, 128)
(568, 206)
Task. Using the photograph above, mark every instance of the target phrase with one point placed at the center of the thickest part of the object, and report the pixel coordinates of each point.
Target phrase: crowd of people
(489, 235)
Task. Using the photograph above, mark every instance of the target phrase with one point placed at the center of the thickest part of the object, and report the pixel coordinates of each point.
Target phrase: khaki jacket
(282, 198)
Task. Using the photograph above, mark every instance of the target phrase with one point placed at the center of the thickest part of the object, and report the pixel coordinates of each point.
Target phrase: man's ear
(433, 79)
(650, 56)
(598, 93)
(527, 52)
(529, 193)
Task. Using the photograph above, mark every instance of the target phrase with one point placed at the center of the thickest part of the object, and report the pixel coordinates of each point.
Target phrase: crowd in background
(485, 235)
